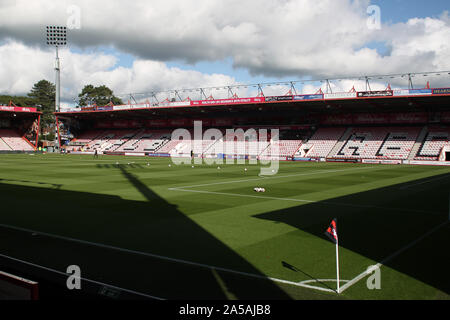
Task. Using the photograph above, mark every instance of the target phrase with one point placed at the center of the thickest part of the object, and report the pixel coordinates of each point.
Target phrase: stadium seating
(14, 141)
(119, 139)
(289, 147)
(379, 143)
(337, 142)
(100, 142)
(435, 140)
(4, 146)
(323, 141)
(399, 143)
(150, 141)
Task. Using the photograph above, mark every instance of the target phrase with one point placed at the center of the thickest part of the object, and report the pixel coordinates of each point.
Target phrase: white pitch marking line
(378, 265)
(323, 202)
(196, 264)
(305, 283)
(85, 279)
(273, 177)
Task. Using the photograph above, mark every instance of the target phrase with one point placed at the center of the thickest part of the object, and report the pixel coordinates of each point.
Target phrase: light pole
(57, 36)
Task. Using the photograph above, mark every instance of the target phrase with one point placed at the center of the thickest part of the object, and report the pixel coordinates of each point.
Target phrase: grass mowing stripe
(268, 177)
(307, 201)
(196, 264)
(141, 215)
(398, 252)
(423, 182)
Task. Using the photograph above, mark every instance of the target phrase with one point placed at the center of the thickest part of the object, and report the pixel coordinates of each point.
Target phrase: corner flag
(332, 231)
(332, 234)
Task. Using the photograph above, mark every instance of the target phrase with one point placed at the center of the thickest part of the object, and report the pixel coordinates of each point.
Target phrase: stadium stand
(383, 142)
(378, 143)
(323, 141)
(436, 139)
(289, 147)
(4, 146)
(12, 140)
(152, 141)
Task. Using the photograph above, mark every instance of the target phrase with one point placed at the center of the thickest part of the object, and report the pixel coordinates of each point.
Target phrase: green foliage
(43, 93)
(18, 101)
(101, 95)
(49, 137)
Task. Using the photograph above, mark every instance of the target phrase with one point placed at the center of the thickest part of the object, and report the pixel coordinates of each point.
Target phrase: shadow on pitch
(55, 185)
(295, 269)
(153, 226)
(116, 166)
(377, 223)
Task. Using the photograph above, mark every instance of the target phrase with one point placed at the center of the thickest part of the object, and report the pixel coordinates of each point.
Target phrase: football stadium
(143, 216)
(332, 188)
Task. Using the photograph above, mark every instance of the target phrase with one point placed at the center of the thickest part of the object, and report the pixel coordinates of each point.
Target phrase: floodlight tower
(57, 36)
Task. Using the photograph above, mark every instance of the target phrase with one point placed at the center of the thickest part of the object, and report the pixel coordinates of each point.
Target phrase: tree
(101, 95)
(43, 93)
(18, 101)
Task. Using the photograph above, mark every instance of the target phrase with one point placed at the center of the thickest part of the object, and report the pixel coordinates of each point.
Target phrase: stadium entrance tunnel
(136, 245)
(376, 224)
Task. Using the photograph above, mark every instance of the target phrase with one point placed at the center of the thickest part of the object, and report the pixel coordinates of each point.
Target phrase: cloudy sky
(141, 46)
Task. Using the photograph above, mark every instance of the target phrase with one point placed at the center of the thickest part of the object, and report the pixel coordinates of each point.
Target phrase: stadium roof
(367, 101)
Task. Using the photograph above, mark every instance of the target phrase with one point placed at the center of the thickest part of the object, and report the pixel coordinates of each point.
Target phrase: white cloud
(21, 66)
(295, 38)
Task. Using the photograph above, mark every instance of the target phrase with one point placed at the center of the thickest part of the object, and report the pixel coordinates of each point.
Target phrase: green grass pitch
(203, 233)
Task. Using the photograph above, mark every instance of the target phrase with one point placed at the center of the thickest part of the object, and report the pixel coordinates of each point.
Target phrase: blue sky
(270, 41)
(392, 11)
(401, 10)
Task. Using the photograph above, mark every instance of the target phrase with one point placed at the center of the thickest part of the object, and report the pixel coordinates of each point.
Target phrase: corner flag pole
(337, 265)
(331, 233)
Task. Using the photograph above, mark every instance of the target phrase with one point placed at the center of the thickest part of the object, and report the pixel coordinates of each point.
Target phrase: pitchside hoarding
(105, 108)
(226, 101)
(369, 94)
(411, 92)
(339, 95)
(309, 97)
(441, 91)
(17, 109)
(278, 98)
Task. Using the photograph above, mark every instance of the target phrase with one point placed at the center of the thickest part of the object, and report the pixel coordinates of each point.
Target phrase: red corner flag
(332, 231)
(332, 234)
